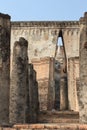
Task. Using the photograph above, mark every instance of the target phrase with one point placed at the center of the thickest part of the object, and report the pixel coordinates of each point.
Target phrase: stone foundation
(47, 127)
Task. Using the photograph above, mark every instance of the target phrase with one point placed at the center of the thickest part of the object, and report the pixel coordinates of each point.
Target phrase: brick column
(83, 70)
(18, 87)
(51, 87)
(45, 77)
(33, 95)
(63, 94)
(4, 67)
(77, 88)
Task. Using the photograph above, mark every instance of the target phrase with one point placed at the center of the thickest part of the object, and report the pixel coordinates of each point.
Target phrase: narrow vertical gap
(60, 67)
(59, 41)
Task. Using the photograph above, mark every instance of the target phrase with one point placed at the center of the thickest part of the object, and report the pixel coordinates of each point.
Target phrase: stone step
(58, 117)
(49, 126)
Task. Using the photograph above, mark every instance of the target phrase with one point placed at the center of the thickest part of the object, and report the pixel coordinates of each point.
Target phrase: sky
(43, 10)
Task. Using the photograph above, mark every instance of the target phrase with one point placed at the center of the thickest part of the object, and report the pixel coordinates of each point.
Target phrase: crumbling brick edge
(53, 126)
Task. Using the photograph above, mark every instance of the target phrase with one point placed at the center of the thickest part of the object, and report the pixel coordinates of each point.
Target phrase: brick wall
(45, 77)
(73, 74)
(42, 37)
(83, 70)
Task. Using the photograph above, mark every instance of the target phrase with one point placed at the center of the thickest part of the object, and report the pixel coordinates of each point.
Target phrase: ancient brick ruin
(4, 67)
(40, 80)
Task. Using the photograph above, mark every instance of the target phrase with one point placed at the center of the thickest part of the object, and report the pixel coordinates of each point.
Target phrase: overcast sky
(43, 10)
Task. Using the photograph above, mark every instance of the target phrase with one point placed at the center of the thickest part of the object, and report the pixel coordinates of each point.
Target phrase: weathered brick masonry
(45, 77)
(23, 107)
(33, 108)
(4, 67)
(83, 70)
(47, 127)
(37, 44)
(18, 86)
(42, 38)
